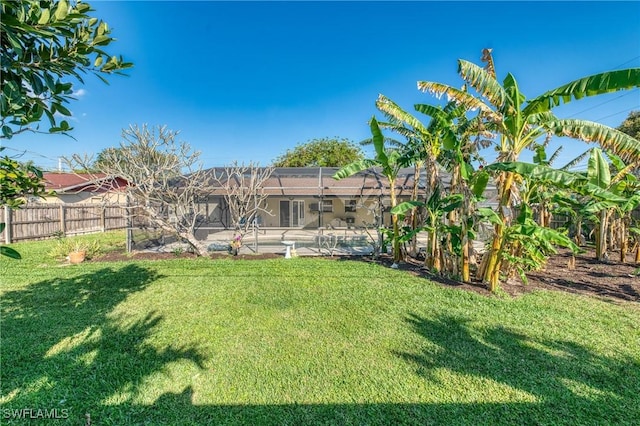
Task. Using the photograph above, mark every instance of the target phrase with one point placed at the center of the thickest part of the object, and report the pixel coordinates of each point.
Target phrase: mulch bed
(611, 279)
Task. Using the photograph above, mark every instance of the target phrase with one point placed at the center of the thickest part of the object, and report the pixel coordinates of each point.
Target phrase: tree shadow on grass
(571, 384)
(565, 383)
(62, 350)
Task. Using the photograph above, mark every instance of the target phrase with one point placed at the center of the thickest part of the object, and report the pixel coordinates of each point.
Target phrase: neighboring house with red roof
(83, 188)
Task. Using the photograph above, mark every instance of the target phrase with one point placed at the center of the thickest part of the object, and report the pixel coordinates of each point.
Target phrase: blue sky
(247, 80)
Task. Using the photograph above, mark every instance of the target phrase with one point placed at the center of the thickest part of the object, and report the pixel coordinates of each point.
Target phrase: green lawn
(303, 341)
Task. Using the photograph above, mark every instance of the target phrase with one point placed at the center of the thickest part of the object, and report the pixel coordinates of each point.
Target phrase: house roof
(319, 181)
(82, 182)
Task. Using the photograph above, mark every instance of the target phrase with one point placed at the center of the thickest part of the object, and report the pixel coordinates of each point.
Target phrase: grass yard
(303, 341)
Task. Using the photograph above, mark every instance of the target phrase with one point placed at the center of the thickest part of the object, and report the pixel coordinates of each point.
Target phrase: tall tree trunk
(482, 268)
(437, 261)
(432, 259)
(464, 238)
(623, 241)
(601, 237)
(394, 221)
(198, 246)
(451, 218)
(414, 211)
(578, 237)
(613, 226)
(494, 263)
(542, 212)
(466, 275)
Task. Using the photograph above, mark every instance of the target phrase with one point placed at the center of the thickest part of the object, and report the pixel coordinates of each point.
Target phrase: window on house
(350, 206)
(327, 206)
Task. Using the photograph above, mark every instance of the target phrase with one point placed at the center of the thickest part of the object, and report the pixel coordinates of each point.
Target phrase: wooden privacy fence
(33, 222)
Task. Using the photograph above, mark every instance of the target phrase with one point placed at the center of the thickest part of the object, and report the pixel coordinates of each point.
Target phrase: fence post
(103, 218)
(63, 228)
(7, 221)
(129, 225)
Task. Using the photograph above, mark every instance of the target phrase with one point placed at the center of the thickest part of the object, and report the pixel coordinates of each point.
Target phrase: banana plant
(389, 162)
(625, 184)
(417, 138)
(602, 199)
(626, 229)
(436, 207)
(634, 231)
(598, 174)
(520, 122)
(579, 210)
(526, 243)
(445, 142)
(539, 194)
(610, 195)
(423, 149)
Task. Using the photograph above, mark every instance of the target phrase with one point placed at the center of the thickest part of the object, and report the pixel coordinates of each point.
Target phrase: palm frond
(470, 102)
(378, 142)
(454, 110)
(390, 142)
(387, 106)
(513, 117)
(540, 173)
(621, 144)
(430, 110)
(483, 82)
(576, 160)
(355, 167)
(616, 161)
(440, 120)
(598, 169)
(622, 173)
(596, 84)
(540, 117)
(555, 155)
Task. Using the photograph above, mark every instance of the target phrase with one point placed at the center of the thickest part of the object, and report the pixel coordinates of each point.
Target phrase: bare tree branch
(166, 181)
(242, 187)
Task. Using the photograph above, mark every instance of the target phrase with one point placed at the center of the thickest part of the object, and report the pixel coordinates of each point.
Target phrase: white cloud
(65, 117)
(79, 93)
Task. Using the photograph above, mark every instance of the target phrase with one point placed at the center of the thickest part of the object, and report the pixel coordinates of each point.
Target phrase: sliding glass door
(291, 213)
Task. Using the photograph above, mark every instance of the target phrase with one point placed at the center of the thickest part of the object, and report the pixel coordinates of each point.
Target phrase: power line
(26, 151)
(633, 91)
(611, 115)
(611, 100)
(50, 164)
(623, 64)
